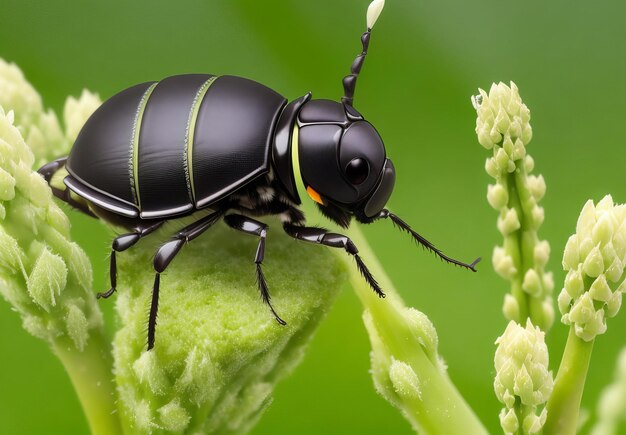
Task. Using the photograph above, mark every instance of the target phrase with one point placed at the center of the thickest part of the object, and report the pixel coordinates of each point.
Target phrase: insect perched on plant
(229, 148)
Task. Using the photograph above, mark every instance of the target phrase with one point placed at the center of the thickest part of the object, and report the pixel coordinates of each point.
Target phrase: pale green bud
(541, 253)
(46, 277)
(614, 304)
(534, 423)
(522, 375)
(405, 381)
(538, 215)
(532, 282)
(593, 265)
(597, 250)
(574, 284)
(537, 186)
(503, 263)
(41, 128)
(173, 417)
(497, 196)
(600, 290)
(492, 168)
(508, 421)
(509, 222)
(77, 111)
(602, 231)
(510, 308)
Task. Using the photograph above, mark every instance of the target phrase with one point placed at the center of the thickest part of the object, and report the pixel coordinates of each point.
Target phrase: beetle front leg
(120, 244)
(324, 237)
(255, 228)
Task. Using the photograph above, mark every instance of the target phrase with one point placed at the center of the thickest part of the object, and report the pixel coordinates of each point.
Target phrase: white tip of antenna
(373, 12)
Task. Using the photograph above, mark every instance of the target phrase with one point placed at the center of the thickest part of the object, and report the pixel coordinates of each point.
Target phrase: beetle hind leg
(256, 228)
(122, 243)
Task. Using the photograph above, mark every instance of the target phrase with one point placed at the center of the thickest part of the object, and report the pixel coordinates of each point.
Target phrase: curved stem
(92, 376)
(438, 408)
(564, 403)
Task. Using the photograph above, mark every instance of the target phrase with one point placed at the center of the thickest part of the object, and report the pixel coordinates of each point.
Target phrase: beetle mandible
(233, 149)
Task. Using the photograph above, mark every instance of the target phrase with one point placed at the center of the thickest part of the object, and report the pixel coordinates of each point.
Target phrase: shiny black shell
(158, 150)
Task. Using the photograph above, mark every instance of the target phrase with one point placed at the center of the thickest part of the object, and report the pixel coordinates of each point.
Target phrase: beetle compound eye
(357, 170)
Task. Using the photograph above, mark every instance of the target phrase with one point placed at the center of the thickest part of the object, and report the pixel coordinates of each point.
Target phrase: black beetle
(233, 148)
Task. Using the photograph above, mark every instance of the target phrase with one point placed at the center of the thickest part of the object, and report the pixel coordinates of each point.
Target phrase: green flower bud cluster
(44, 276)
(594, 258)
(39, 127)
(523, 383)
(219, 352)
(611, 410)
(503, 126)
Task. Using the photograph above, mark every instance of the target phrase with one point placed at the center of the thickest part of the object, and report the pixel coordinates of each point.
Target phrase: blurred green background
(426, 59)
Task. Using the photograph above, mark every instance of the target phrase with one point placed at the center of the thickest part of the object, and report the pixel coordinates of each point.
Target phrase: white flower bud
(509, 222)
(602, 231)
(593, 265)
(497, 196)
(492, 168)
(541, 253)
(503, 263)
(510, 308)
(537, 186)
(574, 284)
(600, 290)
(522, 375)
(571, 255)
(532, 283)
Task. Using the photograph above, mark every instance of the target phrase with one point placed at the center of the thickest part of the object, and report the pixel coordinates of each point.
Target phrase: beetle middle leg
(164, 256)
(324, 237)
(122, 243)
(255, 228)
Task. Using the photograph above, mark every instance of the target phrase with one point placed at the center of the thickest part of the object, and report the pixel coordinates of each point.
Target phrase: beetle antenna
(399, 223)
(349, 81)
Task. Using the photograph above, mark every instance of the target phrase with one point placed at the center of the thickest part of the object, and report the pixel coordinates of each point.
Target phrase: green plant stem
(92, 377)
(438, 408)
(564, 403)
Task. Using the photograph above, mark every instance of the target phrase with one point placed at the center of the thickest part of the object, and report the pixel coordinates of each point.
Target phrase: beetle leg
(164, 257)
(255, 228)
(122, 243)
(334, 240)
(47, 171)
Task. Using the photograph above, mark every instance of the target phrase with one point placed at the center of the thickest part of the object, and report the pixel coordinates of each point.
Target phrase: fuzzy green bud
(523, 382)
(503, 126)
(46, 273)
(594, 259)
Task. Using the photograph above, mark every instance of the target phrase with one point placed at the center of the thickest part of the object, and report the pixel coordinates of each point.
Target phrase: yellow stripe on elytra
(189, 135)
(134, 145)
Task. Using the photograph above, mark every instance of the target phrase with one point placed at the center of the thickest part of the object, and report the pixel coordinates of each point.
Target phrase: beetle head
(343, 162)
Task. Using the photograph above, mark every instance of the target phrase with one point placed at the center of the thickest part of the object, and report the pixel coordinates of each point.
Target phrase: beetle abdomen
(162, 149)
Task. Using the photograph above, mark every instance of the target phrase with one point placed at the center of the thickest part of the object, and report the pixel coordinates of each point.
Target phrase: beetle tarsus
(255, 228)
(399, 223)
(154, 308)
(367, 275)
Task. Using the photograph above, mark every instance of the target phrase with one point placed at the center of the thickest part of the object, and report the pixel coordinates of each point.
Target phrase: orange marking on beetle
(314, 195)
